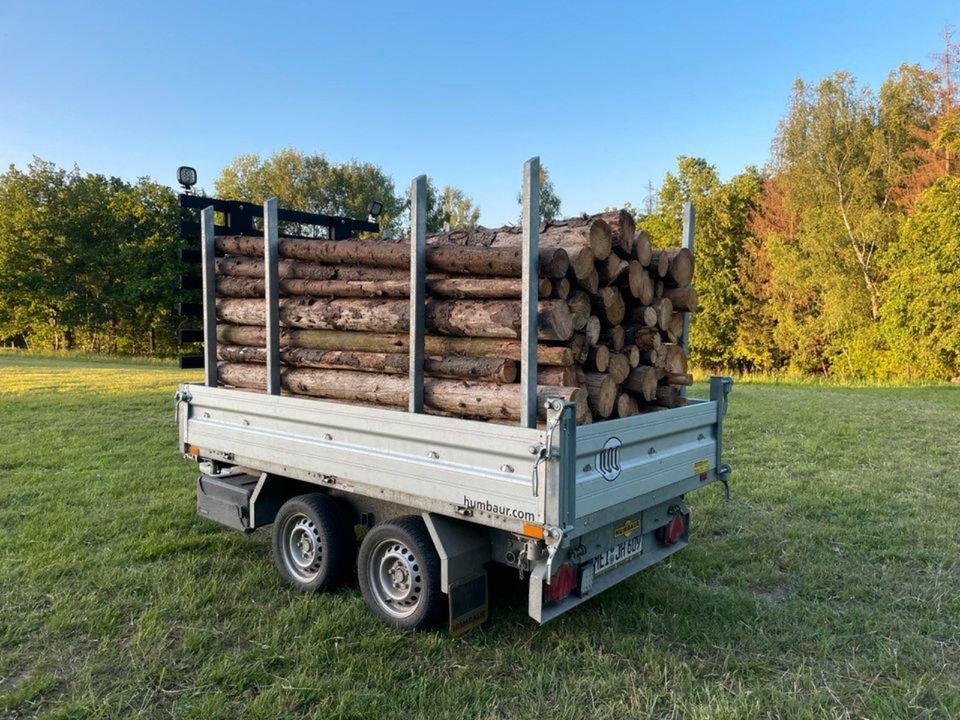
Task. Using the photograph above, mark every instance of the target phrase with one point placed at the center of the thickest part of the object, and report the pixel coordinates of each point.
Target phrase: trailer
(573, 510)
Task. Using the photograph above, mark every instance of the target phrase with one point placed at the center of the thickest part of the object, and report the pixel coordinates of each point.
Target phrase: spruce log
(676, 323)
(476, 260)
(592, 330)
(642, 315)
(640, 283)
(642, 381)
(614, 337)
(437, 286)
(608, 304)
(684, 299)
(469, 318)
(645, 338)
(659, 263)
(561, 288)
(680, 267)
(670, 397)
(557, 375)
(674, 360)
(465, 399)
(677, 379)
(664, 309)
(626, 405)
(579, 305)
(633, 355)
(622, 229)
(642, 248)
(463, 368)
(618, 367)
(598, 358)
(601, 394)
(434, 345)
(591, 283)
(612, 269)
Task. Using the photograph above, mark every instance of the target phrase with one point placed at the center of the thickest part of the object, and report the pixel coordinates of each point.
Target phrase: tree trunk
(618, 367)
(613, 337)
(611, 269)
(601, 394)
(434, 345)
(622, 229)
(642, 381)
(642, 249)
(684, 299)
(598, 358)
(440, 286)
(659, 263)
(466, 399)
(680, 267)
(640, 283)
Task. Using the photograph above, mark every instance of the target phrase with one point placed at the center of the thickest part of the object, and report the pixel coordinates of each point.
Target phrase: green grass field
(829, 587)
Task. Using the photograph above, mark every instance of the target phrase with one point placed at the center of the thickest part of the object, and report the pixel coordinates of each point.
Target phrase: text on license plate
(619, 553)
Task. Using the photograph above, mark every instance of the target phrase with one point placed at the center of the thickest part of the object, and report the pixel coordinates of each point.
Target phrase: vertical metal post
(271, 286)
(529, 288)
(208, 260)
(687, 242)
(418, 276)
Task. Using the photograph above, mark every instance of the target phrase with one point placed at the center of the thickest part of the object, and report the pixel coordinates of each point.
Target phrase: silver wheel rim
(301, 548)
(395, 579)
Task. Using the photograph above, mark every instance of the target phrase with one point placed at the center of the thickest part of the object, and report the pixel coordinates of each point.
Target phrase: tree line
(841, 256)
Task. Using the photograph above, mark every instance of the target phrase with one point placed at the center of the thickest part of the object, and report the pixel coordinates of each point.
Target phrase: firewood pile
(610, 317)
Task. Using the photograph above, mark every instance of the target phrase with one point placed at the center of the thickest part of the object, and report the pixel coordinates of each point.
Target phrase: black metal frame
(238, 220)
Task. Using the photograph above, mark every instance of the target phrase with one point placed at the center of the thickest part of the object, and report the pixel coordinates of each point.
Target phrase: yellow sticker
(628, 528)
(701, 466)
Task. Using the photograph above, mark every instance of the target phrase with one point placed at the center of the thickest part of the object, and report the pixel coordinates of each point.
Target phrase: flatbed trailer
(573, 510)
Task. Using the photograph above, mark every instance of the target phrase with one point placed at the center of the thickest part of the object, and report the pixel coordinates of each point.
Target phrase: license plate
(618, 554)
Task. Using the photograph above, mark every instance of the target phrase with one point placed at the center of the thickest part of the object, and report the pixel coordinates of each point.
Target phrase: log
(463, 368)
(622, 229)
(608, 304)
(565, 376)
(436, 286)
(601, 394)
(680, 267)
(489, 401)
(670, 397)
(561, 288)
(476, 260)
(434, 345)
(675, 360)
(583, 230)
(598, 358)
(642, 380)
(612, 269)
(677, 379)
(683, 299)
(659, 263)
(676, 324)
(664, 309)
(655, 357)
(580, 306)
(592, 330)
(633, 355)
(642, 248)
(642, 315)
(618, 367)
(640, 283)
(591, 283)
(613, 337)
(470, 318)
(645, 338)
(626, 405)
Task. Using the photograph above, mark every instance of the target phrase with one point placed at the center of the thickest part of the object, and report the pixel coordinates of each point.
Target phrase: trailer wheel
(313, 543)
(399, 573)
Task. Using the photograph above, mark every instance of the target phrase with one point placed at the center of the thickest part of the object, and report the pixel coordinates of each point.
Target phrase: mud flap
(469, 605)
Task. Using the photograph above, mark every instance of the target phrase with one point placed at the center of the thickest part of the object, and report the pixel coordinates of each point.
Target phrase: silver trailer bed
(573, 510)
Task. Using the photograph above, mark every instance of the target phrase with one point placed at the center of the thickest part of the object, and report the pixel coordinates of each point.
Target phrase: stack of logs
(610, 315)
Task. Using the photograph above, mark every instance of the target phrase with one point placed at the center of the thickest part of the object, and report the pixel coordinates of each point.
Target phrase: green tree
(313, 184)
(921, 297)
(721, 232)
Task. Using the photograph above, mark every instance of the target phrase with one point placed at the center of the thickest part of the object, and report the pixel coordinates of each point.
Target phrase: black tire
(399, 573)
(313, 542)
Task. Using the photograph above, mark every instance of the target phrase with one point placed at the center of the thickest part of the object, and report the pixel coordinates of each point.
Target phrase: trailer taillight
(671, 532)
(193, 451)
(561, 584)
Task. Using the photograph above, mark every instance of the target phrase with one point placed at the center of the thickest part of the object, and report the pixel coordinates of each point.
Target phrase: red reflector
(672, 531)
(561, 584)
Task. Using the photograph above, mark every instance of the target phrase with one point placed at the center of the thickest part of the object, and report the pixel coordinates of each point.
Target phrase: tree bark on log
(476, 260)
(460, 368)
(462, 287)
(434, 345)
(490, 401)
(684, 299)
(469, 318)
(601, 394)
(642, 381)
(680, 267)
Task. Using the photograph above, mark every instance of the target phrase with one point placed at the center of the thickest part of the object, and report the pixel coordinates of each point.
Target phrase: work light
(187, 177)
(374, 208)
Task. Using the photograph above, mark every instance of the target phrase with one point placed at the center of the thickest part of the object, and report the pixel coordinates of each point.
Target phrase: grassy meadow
(828, 587)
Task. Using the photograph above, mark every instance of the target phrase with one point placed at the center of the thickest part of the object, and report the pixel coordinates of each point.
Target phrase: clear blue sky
(608, 94)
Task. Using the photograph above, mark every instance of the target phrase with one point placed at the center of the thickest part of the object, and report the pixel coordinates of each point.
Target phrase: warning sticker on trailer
(701, 466)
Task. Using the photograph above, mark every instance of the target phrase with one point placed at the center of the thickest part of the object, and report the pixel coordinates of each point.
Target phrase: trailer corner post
(418, 276)
(208, 260)
(271, 276)
(689, 218)
(529, 289)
